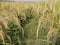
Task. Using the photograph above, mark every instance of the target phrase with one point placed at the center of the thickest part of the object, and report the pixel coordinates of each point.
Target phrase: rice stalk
(9, 39)
(2, 35)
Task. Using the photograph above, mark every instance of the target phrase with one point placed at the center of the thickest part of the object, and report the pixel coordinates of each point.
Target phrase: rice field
(30, 23)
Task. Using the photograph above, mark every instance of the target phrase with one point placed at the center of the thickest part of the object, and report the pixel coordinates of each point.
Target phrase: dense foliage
(24, 23)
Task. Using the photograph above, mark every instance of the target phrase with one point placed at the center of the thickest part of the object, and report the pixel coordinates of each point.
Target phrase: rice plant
(34, 23)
